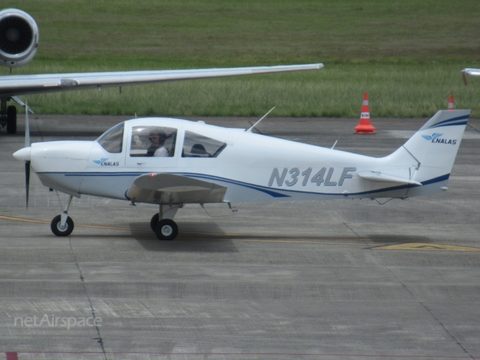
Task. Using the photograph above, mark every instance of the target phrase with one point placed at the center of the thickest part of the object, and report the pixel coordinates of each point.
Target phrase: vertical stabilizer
(433, 150)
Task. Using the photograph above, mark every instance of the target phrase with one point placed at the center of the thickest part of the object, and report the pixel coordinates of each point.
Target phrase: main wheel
(12, 119)
(57, 228)
(166, 229)
(154, 221)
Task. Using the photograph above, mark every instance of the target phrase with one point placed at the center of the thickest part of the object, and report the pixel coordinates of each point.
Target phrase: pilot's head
(157, 136)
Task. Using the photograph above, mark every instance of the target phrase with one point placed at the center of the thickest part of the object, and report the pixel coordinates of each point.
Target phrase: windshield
(112, 139)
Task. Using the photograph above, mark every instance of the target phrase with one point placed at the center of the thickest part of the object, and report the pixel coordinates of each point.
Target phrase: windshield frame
(112, 139)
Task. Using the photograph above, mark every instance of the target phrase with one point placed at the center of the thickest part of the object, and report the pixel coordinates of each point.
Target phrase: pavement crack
(92, 308)
(350, 228)
(473, 127)
(422, 304)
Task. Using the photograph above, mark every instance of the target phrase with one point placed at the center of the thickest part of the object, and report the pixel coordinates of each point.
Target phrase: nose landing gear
(62, 225)
(61, 230)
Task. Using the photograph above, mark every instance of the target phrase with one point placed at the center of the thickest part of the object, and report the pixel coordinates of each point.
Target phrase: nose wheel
(60, 229)
(62, 225)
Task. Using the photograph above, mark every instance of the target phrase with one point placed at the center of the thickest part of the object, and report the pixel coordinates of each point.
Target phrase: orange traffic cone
(450, 103)
(365, 127)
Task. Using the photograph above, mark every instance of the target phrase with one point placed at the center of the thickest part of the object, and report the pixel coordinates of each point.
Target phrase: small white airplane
(471, 72)
(172, 162)
(19, 37)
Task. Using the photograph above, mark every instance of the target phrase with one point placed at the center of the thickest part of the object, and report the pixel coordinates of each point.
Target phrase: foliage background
(407, 54)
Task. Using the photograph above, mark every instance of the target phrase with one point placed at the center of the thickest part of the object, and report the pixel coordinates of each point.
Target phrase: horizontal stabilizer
(174, 189)
(378, 176)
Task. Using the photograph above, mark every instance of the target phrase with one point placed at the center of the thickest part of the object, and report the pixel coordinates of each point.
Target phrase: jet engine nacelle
(19, 37)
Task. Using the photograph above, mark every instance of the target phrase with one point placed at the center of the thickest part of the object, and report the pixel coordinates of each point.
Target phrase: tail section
(431, 151)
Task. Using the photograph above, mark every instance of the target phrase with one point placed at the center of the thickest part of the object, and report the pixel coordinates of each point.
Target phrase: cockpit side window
(196, 145)
(153, 141)
(112, 139)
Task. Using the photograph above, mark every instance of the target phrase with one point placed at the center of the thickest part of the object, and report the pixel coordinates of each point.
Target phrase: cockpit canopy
(155, 140)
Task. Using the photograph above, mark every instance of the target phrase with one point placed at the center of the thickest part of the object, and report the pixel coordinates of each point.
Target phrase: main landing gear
(162, 224)
(8, 116)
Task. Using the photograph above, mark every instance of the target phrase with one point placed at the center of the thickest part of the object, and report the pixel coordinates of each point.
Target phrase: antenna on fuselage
(336, 141)
(338, 138)
(263, 117)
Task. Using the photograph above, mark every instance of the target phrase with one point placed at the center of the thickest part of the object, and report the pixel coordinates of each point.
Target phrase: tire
(57, 230)
(166, 229)
(11, 119)
(154, 221)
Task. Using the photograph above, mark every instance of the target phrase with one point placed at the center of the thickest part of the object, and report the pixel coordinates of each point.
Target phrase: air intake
(15, 35)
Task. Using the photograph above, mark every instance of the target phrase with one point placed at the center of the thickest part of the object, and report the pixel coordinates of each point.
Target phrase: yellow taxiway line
(426, 247)
(242, 237)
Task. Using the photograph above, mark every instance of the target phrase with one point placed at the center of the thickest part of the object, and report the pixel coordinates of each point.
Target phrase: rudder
(433, 149)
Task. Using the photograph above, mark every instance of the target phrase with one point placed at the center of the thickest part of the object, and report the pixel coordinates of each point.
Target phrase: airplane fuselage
(252, 167)
(171, 162)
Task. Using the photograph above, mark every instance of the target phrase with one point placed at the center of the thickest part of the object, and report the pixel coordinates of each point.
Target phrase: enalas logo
(436, 138)
(104, 162)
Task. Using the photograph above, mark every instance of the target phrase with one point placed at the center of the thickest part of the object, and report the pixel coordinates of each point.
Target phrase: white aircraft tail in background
(471, 72)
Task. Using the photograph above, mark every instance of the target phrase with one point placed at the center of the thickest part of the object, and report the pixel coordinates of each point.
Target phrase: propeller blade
(27, 163)
(27, 182)
(27, 126)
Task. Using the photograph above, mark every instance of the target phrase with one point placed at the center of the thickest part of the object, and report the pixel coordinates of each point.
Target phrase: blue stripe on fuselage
(274, 192)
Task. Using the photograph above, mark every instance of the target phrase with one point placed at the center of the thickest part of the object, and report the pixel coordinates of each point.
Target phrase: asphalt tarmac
(341, 279)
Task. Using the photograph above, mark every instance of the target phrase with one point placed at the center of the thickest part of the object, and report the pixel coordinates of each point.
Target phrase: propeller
(27, 162)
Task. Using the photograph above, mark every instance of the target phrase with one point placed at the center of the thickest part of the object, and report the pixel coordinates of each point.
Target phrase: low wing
(12, 85)
(174, 189)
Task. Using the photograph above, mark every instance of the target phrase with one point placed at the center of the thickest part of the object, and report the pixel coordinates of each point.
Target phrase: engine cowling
(19, 38)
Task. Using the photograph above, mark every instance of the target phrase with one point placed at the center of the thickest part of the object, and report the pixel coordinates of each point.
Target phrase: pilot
(157, 146)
